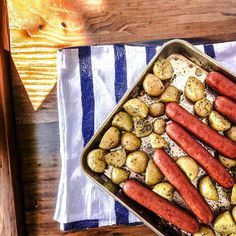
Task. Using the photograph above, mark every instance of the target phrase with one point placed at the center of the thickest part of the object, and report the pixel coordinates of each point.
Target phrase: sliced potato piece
(224, 224)
(130, 141)
(110, 139)
(153, 175)
(204, 231)
(152, 85)
(142, 127)
(165, 190)
(156, 109)
(96, 160)
(137, 161)
(218, 122)
(163, 69)
(233, 195)
(157, 141)
(123, 121)
(119, 175)
(136, 108)
(116, 158)
(208, 189)
(227, 162)
(231, 133)
(159, 126)
(188, 166)
(234, 213)
(203, 107)
(170, 94)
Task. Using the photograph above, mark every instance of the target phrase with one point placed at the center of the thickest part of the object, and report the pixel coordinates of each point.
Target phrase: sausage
(202, 131)
(221, 84)
(180, 181)
(226, 107)
(160, 206)
(212, 166)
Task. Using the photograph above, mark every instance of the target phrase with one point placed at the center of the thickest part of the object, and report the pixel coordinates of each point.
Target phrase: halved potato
(227, 162)
(96, 160)
(153, 175)
(123, 121)
(110, 139)
(159, 126)
(157, 141)
(208, 189)
(119, 175)
(116, 158)
(218, 122)
(165, 190)
(152, 85)
(233, 195)
(156, 109)
(136, 108)
(130, 141)
(170, 94)
(203, 107)
(142, 127)
(234, 213)
(231, 133)
(137, 161)
(204, 231)
(163, 69)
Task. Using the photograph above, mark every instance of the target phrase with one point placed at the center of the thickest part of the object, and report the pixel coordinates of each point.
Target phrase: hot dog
(213, 167)
(179, 180)
(221, 84)
(217, 141)
(226, 107)
(160, 206)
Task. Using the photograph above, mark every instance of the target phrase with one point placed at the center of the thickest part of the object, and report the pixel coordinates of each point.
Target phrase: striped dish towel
(91, 81)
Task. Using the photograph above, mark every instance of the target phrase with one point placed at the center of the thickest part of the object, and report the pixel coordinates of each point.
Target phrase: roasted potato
(224, 224)
(233, 195)
(137, 161)
(163, 69)
(208, 189)
(119, 175)
(142, 127)
(227, 162)
(170, 94)
(231, 133)
(116, 158)
(188, 166)
(96, 160)
(152, 85)
(194, 89)
(136, 108)
(159, 126)
(218, 122)
(157, 141)
(152, 175)
(165, 190)
(204, 231)
(110, 139)
(123, 121)
(203, 107)
(130, 141)
(156, 109)
(234, 213)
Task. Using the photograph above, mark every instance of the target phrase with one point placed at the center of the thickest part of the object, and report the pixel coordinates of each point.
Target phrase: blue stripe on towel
(150, 53)
(87, 93)
(122, 214)
(82, 224)
(209, 50)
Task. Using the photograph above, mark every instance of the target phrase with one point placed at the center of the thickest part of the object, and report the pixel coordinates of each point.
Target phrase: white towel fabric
(91, 80)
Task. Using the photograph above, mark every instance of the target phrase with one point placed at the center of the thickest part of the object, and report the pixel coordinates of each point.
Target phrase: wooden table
(38, 28)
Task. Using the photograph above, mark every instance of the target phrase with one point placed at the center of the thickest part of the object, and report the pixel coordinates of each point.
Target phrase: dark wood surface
(114, 21)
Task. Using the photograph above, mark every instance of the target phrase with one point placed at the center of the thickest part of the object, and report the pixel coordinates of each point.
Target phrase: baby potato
(163, 69)
(157, 141)
(208, 189)
(234, 213)
(218, 122)
(159, 126)
(142, 127)
(123, 121)
(152, 85)
(233, 195)
(231, 133)
(204, 231)
(130, 141)
(96, 160)
(224, 224)
(165, 190)
(203, 107)
(110, 139)
(153, 175)
(137, 161)
(188, 166)
(194, 89)
(119, 175)
(156, 109)
(136, 108)
(116, 158)
(170, 94)
(227, 162)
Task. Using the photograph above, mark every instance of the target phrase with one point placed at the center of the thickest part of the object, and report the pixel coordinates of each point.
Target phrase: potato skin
(194, 89)
(234, 213)
(142, 127)
(136, 108)
(157, 141)
(203, 107)
(123, 121)
(218, 122)
(163, 69)
(119, 175)
(152, 175)
(231, 133)
(233, 195)
(204, 231)
(96, 160)
(130, 141)
(110, 139)
(152, 85)
(159, 126)
(170, 94)
(165, 190)
(116, 158)
(137, 161)
(227, 162)
(156, 109)
(208, 189)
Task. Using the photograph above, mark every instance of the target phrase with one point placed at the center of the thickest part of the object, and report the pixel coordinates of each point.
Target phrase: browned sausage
(180, 181)
(213, 167)
(217, 141)
(226, 107)
(160, 206)
(221, 84)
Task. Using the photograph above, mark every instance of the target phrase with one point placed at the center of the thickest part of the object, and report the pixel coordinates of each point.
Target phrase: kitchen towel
(91, 80)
